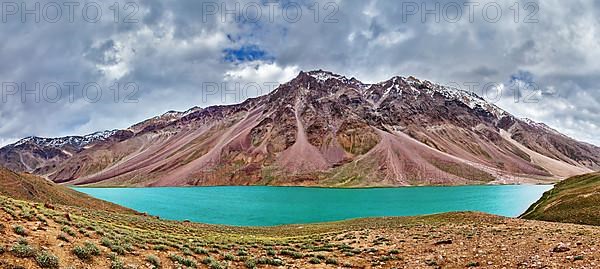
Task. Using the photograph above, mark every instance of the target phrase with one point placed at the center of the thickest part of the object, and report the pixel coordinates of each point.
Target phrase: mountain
(574, 200)
(329, 130)
(33, 188)
(40, 155)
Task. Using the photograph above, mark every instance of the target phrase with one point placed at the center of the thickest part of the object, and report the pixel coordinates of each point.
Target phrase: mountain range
(319, 129)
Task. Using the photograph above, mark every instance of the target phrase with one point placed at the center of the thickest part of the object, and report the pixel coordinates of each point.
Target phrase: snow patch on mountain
(75, 141)
(540, 125)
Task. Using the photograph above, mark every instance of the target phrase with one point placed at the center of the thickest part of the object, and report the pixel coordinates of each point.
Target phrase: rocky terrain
(35, 235)
(44, 225)
(574, 200)
(322, 129)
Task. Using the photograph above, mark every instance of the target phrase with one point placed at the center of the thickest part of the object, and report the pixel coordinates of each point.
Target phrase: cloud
(175, 48)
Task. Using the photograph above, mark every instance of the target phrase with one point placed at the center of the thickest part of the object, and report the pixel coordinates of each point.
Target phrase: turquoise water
(266, 206)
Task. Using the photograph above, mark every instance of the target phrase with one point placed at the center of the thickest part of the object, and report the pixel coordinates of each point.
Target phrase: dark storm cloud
(174, 48)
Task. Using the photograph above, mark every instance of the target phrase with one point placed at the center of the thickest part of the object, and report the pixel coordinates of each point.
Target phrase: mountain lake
(268, 206)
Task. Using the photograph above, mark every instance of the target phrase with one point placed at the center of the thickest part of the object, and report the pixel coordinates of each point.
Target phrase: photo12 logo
(235, 92)
(53, 12)
(454, 12)
(521, 92)
(269, 11)
(54, 92)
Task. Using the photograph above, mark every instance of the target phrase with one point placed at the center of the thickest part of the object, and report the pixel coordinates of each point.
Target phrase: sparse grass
(188, 244)
(573, 200)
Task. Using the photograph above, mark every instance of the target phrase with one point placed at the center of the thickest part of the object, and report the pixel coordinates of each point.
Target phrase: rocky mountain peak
(401, 131)
(73, 141)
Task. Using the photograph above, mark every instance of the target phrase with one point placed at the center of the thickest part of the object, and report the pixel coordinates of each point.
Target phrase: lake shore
(451, 240)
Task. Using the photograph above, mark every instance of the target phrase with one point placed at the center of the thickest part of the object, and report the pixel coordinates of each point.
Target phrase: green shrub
(87, 251)
(92, 248)
(212, 263)
(207, 260)
(47, 260)
(215, 265)
(155, 261)
(22, 241)
(229, 257)
(20, 230)
(250, 264)
(183, 261)
(200, 251)
(81, 253)
(41, 218)
(293, 254)
(269, 261)
(62, 237)
(11, 212)
(314, 260)
(68, 230)
(187, 252)
(117, 264)
(117, 249)
(105, 241)
(23, 250)
(242, 253)
(160, 247)
(331, 261)
(27, 215)
(473, 264)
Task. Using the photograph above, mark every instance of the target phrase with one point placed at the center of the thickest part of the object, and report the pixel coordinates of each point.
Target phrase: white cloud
(171, 52)
(394, 38)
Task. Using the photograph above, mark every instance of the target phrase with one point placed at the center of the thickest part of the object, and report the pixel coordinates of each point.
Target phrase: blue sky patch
(246, 53)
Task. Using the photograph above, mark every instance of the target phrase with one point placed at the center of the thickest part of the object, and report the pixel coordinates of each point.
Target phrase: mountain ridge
(325, 129)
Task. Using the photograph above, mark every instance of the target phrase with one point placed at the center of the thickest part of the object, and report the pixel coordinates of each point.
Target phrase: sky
(75, 69)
